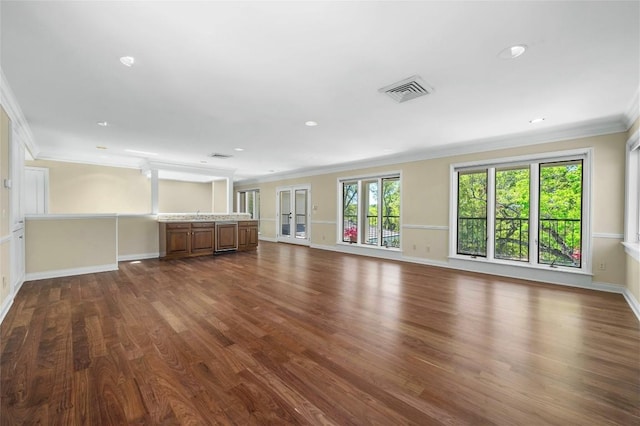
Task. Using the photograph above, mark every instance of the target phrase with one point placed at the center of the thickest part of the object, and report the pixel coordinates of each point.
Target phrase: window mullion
(360, 216)
(491, 212)
(534, 202)
(380, 210)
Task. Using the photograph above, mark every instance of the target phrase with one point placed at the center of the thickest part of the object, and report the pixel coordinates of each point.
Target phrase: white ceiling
(214, 76)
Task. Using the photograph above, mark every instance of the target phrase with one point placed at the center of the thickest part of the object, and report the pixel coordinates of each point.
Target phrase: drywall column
(154, 191)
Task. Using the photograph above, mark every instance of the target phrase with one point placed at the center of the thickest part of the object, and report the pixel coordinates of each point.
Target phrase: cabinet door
(243, 237)
(252, 237)
(202, 240)
(178, 241)
(226, 236)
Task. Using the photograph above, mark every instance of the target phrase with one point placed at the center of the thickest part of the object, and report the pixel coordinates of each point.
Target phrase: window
(472, 213)
(512, 214)
(370, 211)
(522, 211)
(249, 202)
(632, 197)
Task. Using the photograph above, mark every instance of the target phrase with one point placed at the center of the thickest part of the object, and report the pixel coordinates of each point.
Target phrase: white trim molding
(18, 120)
(33, 276)
(633, 303)
(584, 129)
(429, 227)
(70, 216)
(578, 280)
(633, 250)
(139, 256)
(608, 235)
(6, 305)
(633, 111)
(324, 222)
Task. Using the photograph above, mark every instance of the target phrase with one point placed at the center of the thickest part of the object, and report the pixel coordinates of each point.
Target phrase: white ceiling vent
(220, 156)
(407, 89)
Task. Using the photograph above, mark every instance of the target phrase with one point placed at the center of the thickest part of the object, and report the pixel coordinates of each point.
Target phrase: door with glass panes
(293, 217)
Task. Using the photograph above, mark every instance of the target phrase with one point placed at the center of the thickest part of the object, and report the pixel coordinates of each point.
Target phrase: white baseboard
(139, 256)
(428, 262)
(70, 272)
(594, 285)
(6, 305)
(633, 303)
(269, 239)
(361, 251)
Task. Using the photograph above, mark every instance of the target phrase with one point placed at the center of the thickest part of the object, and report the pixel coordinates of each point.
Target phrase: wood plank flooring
(292, 335)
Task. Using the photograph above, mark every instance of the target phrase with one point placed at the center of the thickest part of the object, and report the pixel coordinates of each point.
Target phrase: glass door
(285, 215)
(293, 214)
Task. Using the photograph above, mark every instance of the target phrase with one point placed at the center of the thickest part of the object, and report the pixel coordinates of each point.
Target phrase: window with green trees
(537, 213)
(371, 211)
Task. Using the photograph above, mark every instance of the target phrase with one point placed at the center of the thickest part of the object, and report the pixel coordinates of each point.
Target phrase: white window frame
(533, 162)
(632, 197)
(360, 180)
(244, 195)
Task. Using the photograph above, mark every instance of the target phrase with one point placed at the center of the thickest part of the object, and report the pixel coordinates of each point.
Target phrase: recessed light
(102, 123)
(101, 147)
(311, 123)
(512, 52)
(238, 149)
(537, 120)
(127, 61)
(133, 151)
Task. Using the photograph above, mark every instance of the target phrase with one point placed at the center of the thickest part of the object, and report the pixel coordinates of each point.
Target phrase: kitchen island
(187, 235)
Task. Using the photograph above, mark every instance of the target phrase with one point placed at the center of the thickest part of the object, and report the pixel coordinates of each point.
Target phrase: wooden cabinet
(202, 237)
(226, 236)
(185, 239)
(247, 235)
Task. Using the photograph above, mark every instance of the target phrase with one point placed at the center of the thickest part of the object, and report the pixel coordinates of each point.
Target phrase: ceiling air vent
(220, 156)
(407, 89)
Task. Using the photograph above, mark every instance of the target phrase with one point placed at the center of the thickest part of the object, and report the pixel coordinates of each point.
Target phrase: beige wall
(5, 208)
(137, 237)
(83, 188)
(70, 244)
(184, 197)
(220, 196)
(425, 201)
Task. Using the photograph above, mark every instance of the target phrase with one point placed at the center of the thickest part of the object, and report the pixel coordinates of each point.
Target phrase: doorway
(292, 215)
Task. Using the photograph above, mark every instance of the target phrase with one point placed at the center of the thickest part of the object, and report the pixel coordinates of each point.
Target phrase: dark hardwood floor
(291, 335)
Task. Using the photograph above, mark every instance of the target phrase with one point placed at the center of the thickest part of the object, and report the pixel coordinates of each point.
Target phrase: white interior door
(293, 217)
(36, 190)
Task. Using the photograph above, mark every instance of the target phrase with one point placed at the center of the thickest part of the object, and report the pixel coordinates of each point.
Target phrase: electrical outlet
(428, 249)
(414, 246)
(602, 266)
(4, 282)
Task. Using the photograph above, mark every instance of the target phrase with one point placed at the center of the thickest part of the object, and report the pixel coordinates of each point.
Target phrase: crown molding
(187, 168)
(633, 110)
(597, 127)
(125, 163)
(18, 120)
